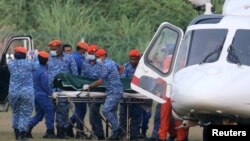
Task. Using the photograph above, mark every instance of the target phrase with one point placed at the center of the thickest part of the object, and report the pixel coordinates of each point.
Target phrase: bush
(117, 25)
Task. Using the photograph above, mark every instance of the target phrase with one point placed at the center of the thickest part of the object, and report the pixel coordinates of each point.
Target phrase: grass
(6, 132)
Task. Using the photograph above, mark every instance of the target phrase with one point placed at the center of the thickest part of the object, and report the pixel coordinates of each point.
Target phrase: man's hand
(85, 87)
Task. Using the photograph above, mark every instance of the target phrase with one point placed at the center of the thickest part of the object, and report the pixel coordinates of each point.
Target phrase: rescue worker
(135, 109)
(79, 54)
(114, 90)
(21, 91)
(67, 48)
(43, 103)
(80, 108)
(91, 69)
(145, 117)
(60, 63)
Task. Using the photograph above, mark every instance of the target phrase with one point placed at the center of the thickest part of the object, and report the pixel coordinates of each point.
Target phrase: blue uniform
(128, 72)
(43, 104)
(145, 117)
(21, 92)
(80, 108)
(114, 91)
(78, 59)
(93, 70)
(64, 64)
(135, 109)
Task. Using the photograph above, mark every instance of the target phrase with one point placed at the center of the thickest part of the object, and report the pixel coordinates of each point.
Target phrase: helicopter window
(205, 45)
(159, 56)
(239, 51)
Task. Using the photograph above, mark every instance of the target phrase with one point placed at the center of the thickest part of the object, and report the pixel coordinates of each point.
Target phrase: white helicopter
(209, 70)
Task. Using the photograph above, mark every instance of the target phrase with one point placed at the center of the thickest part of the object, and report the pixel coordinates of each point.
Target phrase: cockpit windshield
(239, 51)
(201, 46)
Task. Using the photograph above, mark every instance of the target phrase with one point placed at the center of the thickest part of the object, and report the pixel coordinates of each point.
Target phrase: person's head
(67, 48)
(82, 47)
(100, 55)
(43, 57)
(92, 49)
(55, 48)
(134, 57)
(20, 52)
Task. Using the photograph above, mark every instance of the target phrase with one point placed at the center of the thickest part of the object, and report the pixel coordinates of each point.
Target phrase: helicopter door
(154, 73)
(6, 56)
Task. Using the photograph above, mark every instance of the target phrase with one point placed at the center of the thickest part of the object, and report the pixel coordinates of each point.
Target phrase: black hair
(42, 60)
(66, 45)
(78, 48)
(20, 55)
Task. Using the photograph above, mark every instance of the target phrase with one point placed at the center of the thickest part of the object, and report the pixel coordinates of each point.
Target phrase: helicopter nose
(209, 87)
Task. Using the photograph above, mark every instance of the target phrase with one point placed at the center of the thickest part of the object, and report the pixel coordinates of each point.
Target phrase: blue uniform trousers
(145, 117)
(135, 112)
(62, 112)
(96, 119)
(22, 106)
(79, 114)
(44, 108)
(110, 109)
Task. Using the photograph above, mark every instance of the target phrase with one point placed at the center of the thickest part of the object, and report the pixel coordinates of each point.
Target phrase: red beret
(134, 53)
(82, 45)
(55, 43)
(92, 48)
(100, 52)
(20, 49)
(43, 54)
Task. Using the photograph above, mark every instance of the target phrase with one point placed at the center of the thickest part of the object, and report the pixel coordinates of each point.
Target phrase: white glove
(85, 87)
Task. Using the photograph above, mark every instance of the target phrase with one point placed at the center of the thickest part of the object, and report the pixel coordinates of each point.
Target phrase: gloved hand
(85, 87)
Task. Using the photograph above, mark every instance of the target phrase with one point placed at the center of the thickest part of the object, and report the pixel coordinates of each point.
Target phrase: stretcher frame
(99, 97)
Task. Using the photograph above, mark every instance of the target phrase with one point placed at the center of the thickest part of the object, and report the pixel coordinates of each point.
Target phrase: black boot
(29, 134)
(101, 137)
(70, 131)
(171, 138)
(151, 139)
(58, 131)
(22, 136)
(143, 135)
(144, 132)
(16, 133)
(50, 134)
(115, 135)
(62, 132)
(80, 135)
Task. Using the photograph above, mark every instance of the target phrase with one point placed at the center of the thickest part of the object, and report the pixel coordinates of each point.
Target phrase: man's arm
(96, 83)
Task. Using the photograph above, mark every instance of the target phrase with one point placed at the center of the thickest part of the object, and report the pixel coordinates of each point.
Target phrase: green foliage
(117, 25)
(217, 4)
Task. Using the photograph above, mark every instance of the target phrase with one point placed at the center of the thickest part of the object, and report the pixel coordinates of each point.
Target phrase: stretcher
(71, 88)
(99, 97)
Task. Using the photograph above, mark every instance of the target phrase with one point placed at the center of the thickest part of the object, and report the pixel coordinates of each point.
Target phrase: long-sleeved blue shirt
(21, 79)
(64, 64)
(79, 60)
(41, 82)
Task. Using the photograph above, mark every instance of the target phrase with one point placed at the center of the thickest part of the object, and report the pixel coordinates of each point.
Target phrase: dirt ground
(6, 132)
